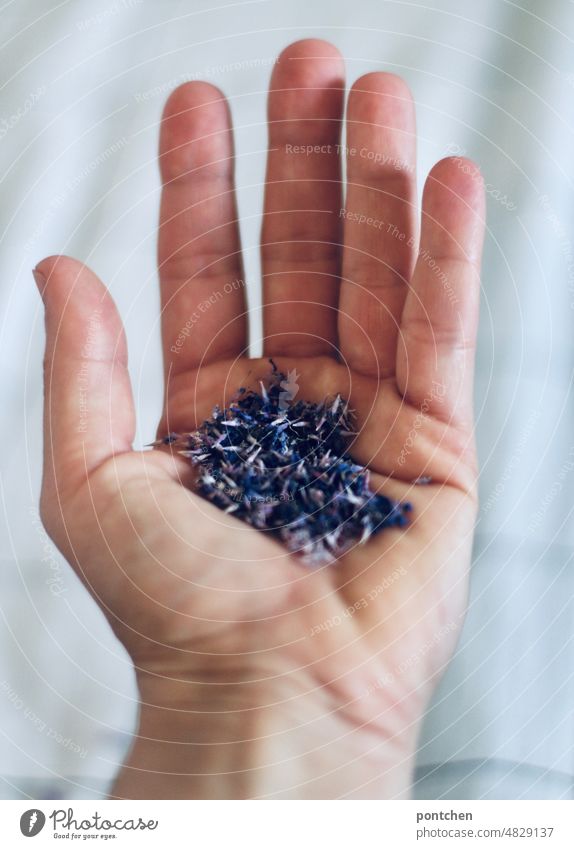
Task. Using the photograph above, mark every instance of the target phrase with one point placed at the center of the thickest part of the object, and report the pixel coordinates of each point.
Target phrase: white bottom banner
(290, 825)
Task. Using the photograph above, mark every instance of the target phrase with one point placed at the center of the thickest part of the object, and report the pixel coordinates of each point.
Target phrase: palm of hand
(401, 591)
(171, 571)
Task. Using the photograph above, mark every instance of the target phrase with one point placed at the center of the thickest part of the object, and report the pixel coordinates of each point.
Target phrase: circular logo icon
(32, 822)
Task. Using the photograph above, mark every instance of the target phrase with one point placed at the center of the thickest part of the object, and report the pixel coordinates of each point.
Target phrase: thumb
(88, 406)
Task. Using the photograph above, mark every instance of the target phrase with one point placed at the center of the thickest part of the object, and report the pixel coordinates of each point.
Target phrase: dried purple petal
(282, 467)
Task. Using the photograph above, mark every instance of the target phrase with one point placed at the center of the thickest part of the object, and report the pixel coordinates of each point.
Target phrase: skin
(258, 676)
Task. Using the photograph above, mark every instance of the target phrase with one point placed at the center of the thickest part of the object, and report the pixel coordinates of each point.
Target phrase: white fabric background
(78, 136)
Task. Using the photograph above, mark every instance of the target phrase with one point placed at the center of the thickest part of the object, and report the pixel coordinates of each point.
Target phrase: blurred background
(82, 86)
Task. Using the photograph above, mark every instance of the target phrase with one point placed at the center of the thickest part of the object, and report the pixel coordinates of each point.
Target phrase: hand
(259, 676)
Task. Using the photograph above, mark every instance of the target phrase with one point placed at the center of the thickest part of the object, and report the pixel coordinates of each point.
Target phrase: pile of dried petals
(282, 467)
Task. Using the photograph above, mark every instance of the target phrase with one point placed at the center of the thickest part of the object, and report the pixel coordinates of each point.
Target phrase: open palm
(346, 654)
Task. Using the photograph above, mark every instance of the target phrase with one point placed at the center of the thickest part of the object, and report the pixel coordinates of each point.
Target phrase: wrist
(252, 738)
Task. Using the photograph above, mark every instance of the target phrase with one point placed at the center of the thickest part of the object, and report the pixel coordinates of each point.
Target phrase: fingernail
(40, 280)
